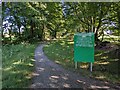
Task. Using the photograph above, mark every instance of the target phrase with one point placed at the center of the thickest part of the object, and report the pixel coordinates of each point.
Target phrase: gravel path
(51, 75)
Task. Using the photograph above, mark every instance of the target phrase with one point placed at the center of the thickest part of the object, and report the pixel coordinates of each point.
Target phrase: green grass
(17, 65)
(61, 53)
(105, 66)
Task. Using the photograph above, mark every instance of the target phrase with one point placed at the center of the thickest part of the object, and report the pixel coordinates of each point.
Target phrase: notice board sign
(84, 47)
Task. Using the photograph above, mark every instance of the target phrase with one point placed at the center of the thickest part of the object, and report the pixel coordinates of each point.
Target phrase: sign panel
(84, 47)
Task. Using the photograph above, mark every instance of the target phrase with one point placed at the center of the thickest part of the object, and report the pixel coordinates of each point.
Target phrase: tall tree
(89, 16)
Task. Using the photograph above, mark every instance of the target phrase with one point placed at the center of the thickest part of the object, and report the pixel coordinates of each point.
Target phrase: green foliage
(105, 66)
(56, 49)
(45, 17)
(59, 19)
(92, 17)
(17, 65)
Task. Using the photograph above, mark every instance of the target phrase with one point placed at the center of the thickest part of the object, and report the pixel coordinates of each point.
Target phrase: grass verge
(105, 66)
(17, 65)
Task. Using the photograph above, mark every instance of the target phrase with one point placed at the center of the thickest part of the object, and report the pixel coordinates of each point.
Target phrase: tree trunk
(32, 29)
(118, 16)
(10, 35)
(96, 37)
(41, 34)
(55, 34)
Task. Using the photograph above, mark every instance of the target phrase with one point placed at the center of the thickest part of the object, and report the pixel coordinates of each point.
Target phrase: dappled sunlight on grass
(30, 64)
(18, 62)
(32, 60)
(104, 57)
(58, 51)
(104, 66)
(17, 65)
(9, 68)
(58, 62)
(116, 60)
(71, 42)
(84, 66)
(100, 77)
(62, 43)
(104, 63)
(99, 54)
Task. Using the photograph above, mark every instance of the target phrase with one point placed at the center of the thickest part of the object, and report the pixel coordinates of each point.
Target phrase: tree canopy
(38, 20)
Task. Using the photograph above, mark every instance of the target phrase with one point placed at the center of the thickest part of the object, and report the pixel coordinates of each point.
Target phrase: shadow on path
(51, 75)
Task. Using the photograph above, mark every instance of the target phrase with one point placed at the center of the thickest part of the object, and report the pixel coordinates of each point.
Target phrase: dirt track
(51, 75)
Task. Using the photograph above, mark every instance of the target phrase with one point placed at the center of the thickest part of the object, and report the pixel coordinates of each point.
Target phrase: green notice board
(84, 47)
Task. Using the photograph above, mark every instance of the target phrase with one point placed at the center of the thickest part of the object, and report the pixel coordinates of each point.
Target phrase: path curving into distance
(48, 74)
